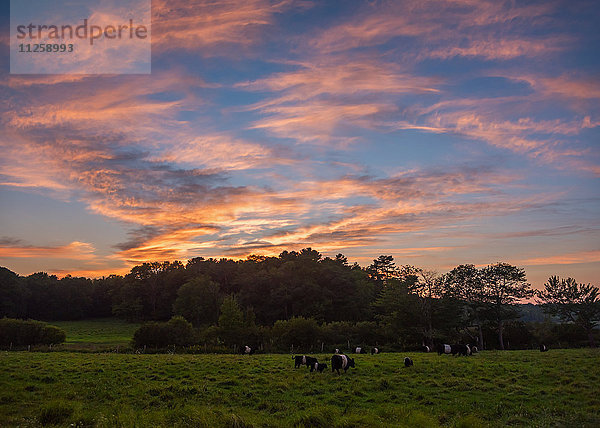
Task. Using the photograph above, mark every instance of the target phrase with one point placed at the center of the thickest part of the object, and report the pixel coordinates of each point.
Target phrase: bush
(177, 331)
(181, 332)
(301, 333)
(52, 335)
(23, 333)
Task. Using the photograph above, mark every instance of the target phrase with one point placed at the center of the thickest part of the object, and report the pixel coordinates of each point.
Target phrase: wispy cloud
(443, 29)
(10, 249)
(210, 27)
(565, 259)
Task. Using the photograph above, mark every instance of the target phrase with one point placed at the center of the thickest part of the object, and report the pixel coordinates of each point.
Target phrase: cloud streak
(74, 250)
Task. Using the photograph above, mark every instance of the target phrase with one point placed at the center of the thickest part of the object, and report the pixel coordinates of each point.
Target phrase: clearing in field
(97, 333)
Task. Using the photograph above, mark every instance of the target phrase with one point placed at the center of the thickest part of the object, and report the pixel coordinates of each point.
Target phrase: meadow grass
(101, 331)
(511, 388)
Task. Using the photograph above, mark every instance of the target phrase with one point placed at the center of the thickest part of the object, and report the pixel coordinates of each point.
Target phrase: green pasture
(497, 389)
(102, 332)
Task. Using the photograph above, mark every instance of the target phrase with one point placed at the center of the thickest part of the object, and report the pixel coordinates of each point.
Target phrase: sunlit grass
(522, 388)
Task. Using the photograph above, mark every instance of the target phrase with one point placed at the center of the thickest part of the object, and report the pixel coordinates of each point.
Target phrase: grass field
(518, 388)
(101, 332)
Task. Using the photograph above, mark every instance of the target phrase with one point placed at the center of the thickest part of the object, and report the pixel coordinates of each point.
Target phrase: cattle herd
(340, 361)
(343, 362)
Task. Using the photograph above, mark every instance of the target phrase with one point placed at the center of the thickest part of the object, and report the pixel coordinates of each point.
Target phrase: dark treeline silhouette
(306, 300)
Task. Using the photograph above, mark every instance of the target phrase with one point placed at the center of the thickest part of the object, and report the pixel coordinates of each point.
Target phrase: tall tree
(426, 285)
(198, 301)
(464, 283)
(231, 321)
(12, 295)
(572, 302)
(504, 285)
(383, 268)
(397, 309)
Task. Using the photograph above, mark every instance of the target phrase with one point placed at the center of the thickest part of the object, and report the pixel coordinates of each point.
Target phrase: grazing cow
(444, 349)
(408, 362)
(425, 348)
(319, 367)
(358, 350)
(543, 348)
(341, 362)
(246, 350)
(474, 349)
(300, 360)
(454, 349)
(374, 351)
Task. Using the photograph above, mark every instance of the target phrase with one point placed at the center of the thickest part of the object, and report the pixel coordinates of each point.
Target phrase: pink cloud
(565, 259)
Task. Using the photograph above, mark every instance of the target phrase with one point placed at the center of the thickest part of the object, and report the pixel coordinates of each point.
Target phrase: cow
(454, 349)
(341, 362)
(474, 349)
(374, 351)
(425, 348)
(543, 348)
(319, 367)
(359, 350)
(300, 360)
(246, 350)
(337, 351)
(444, 349)
(408, 362)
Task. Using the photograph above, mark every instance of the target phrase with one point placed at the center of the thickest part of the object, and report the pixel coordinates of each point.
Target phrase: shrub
(23, 333)
(181, 332)
(52, 335)
(176, 331)
(302, 333)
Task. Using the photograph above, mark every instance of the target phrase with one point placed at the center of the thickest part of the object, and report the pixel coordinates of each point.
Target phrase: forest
(302, 300)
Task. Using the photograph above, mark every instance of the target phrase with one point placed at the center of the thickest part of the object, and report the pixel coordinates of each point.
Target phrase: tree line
(231, 302)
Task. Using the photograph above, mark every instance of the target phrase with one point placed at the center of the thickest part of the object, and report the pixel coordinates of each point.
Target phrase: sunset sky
(439, 132)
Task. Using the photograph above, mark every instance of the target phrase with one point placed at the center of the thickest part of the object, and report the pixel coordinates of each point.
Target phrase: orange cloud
(568, 87)
(89, 272)
(442, 29)
(330, 92)
(75, 250)
(209, 27)
(565, 259)
(499, 49)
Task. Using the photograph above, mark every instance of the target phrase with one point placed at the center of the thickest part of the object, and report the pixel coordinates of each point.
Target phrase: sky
(439, 132)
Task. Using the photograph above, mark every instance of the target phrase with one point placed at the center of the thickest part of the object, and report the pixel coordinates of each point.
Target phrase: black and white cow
(359, 350)
(474, 349)
(543, 348)
(374, 351)
(319, 367)
(341, 361)
(301, 360)
(337, 351)
(246, 350)
(425, 348)
(454, 349)
(444, 349)
(408, 362)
